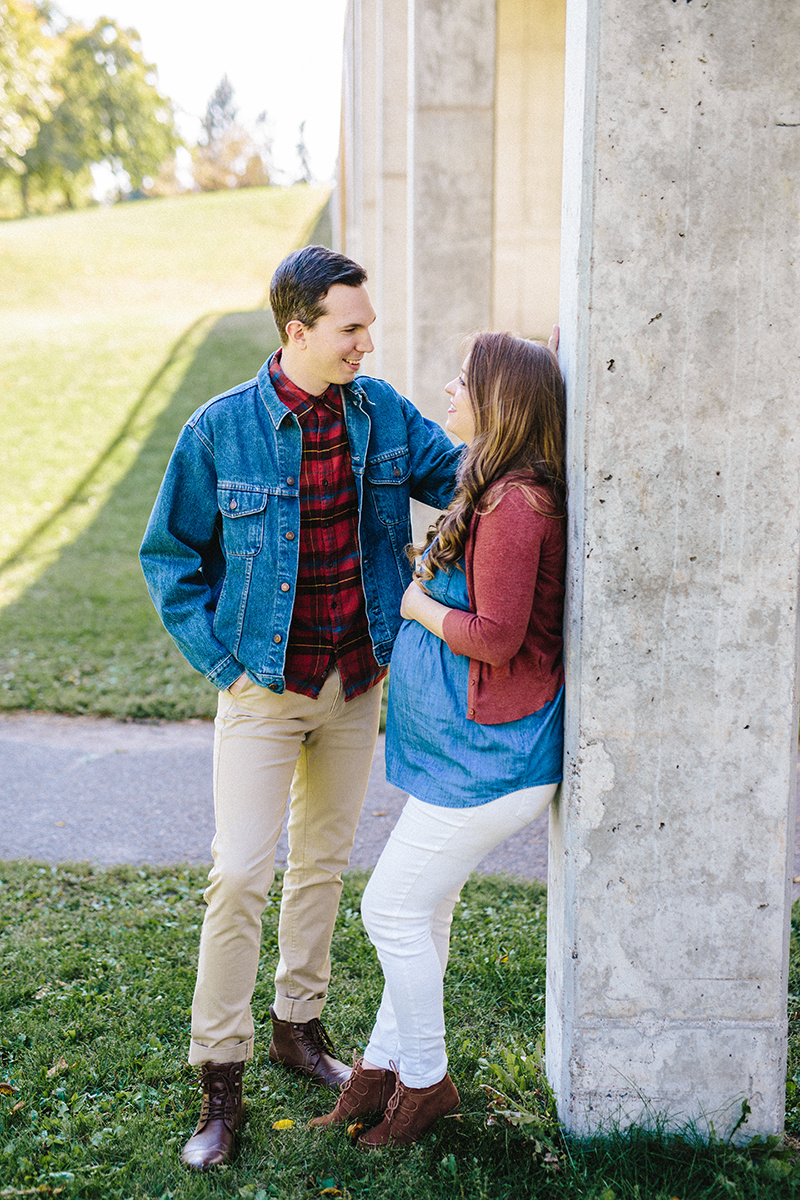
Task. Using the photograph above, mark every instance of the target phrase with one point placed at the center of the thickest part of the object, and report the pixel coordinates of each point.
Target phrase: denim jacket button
(232, 504)
(273, 687)
(290, 536)
(284, 587)
(277, 638)
(290, 481)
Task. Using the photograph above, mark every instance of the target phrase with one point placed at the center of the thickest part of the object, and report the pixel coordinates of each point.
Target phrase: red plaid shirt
(329, 620)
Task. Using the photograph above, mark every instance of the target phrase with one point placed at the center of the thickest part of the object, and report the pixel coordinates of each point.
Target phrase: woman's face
(460, 417)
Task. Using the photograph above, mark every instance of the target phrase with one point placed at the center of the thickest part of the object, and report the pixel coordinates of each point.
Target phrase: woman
(474, 728)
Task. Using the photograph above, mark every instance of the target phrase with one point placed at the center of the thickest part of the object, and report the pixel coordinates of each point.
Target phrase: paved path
(88, 788)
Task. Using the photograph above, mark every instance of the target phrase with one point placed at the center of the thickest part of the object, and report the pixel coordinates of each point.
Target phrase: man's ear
(296, 334)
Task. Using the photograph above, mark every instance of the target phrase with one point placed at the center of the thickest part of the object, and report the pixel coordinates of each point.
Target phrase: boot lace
(222, 1085)
(396, 1097)
(314, 1038)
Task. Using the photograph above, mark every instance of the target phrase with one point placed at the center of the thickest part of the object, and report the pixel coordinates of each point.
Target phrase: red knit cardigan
(515, 561)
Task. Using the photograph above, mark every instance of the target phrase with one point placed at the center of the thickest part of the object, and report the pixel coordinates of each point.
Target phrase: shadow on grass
(82, 488)
(84, 636)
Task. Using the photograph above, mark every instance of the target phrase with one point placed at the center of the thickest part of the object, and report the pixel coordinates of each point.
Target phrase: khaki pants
(265, 745)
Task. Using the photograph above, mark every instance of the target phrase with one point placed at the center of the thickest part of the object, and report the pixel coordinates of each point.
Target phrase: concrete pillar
(669, 878)
(343, 207)
(391, 267)
(450, 178)
(357, 233)
(529, 118)
(371, 185)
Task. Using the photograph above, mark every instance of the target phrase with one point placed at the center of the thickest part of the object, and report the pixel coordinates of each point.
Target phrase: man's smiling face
(331, 350)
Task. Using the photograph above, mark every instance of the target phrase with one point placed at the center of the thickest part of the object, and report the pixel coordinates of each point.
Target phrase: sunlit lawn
(115, 324)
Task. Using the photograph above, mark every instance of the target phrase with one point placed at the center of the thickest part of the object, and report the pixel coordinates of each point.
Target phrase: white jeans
(407, 909)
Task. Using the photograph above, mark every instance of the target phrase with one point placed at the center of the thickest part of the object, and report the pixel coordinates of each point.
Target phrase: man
(275, 558)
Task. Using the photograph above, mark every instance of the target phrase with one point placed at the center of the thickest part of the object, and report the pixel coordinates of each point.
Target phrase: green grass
(115, 324)
(96, 977)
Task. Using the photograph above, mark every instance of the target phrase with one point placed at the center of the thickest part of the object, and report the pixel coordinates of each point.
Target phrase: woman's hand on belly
(417, 605)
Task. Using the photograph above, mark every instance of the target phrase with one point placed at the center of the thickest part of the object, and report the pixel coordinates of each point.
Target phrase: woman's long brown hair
(517, 396)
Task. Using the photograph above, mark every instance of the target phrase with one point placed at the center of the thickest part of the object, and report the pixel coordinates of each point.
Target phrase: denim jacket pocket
(387, 477)
(242, 510)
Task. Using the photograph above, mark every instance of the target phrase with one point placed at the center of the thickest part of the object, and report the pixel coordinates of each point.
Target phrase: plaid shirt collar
(293, 396)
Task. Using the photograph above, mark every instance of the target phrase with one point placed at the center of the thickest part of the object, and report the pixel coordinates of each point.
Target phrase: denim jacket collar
(278, 411)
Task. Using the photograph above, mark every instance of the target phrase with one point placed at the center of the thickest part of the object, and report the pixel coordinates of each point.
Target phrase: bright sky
(282, 56)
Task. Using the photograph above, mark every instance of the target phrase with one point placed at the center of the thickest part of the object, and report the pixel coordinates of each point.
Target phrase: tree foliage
(97, 103)
(302, 154)
(221, 113)
(27, 60)
(228, 155)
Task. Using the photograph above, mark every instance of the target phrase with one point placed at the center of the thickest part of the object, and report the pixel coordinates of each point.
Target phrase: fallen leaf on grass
(284, 1124)
(41, 1190)
(20, 1104)
(334, 1191)
(355, 1129)
(6, 1088)
(57, 1068)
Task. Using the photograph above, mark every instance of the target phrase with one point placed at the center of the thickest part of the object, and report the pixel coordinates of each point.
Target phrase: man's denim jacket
(220, 552)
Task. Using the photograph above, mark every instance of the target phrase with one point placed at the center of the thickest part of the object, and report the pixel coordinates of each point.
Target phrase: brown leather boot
(305, 1046)
(365, 1094)
(221, 1113)
(410, 1113)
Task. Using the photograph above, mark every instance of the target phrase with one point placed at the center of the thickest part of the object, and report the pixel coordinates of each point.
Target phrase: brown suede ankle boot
(305, 1046)
(365, 1094)
(410, 1113)
(221, 1113)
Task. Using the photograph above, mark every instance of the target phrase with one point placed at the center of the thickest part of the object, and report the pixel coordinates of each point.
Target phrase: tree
(110, 112)
(27, 94)
(228, 155)
(302, 154)
(221, 113)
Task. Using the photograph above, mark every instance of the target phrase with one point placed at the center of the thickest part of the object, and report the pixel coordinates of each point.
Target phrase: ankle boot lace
(222, 1090)
(395, 1098)
(313, 1036)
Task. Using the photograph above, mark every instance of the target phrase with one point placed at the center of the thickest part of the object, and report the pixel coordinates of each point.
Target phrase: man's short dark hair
(302, 281)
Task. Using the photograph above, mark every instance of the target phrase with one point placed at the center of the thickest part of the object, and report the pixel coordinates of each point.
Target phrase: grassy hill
(115, 324)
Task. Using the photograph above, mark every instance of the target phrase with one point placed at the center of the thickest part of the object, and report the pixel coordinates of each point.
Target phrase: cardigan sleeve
(503, 553)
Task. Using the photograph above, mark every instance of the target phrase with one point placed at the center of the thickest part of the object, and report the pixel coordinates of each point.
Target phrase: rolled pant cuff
(240, 1052)
(300, 1011)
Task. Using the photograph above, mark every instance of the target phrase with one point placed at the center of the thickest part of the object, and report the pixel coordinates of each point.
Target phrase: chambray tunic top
(432, 750)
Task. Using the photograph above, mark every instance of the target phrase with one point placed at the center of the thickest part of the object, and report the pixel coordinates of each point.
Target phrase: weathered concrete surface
(450, 174)
(450, 184)
(669, 880)
(374, 187)
(416, 181)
